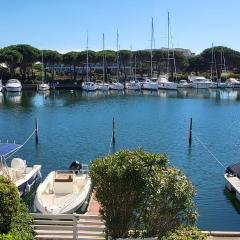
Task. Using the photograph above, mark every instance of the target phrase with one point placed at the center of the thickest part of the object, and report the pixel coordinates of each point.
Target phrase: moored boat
(200, 82)
(63, 191)
(183, 84)
(43, 87)
(116, 86)
(13, 85)
(23, 176)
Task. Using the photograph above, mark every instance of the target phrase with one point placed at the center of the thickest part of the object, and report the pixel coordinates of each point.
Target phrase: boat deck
(233, 184)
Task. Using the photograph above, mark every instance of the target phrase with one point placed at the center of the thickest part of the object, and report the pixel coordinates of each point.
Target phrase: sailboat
(101, 85)
(43, 86)
(116, 85)
(163, 82)
(22, 175)
(148, 84)
(134, 84)
(88, 85)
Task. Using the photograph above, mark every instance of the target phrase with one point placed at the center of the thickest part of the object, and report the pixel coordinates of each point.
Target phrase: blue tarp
(7, 148)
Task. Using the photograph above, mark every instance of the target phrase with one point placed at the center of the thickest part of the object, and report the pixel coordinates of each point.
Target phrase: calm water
(77, 126)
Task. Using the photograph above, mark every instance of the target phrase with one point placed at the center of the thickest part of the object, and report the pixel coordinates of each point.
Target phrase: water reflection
(66, 97)
(14, 97)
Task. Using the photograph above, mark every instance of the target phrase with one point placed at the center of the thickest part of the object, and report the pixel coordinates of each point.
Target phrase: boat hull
(25, 185)
(14, 89)
(168, 86)
(64, 203)
(150, 86)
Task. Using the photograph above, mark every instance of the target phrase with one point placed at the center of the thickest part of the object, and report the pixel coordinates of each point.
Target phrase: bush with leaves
(187, 233)
(15, 221)
(139, 191)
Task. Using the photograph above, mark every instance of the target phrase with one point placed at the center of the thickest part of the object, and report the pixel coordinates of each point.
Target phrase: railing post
(75, 229)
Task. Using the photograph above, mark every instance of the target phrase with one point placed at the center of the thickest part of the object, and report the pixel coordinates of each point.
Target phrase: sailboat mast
(152, 38)
(212, 64)
(117, 56)
(103, 60)
(168, 45)
(135, 68)
(42, 68)
(87, 56)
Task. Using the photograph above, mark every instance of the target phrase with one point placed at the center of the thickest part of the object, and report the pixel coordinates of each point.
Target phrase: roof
(234, 169)
(7, 148)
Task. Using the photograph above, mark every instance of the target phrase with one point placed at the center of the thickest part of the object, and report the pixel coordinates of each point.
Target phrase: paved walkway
(223, 238)
(94, 206)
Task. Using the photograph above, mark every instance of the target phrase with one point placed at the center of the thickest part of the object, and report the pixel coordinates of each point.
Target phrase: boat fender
(28, 188)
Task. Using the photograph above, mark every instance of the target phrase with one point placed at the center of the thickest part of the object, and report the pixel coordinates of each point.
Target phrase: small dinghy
(64, 191)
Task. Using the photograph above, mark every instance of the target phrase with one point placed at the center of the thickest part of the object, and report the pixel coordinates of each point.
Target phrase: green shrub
(141, 194)
(187, 233)
(15, 221)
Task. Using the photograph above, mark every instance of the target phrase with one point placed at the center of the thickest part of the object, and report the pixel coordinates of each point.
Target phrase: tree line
(21, 60)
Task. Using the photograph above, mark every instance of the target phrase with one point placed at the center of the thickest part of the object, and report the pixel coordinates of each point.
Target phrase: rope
(208, 150)
(20, 146)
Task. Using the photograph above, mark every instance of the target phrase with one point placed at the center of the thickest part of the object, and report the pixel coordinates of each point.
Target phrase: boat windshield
(13, 81)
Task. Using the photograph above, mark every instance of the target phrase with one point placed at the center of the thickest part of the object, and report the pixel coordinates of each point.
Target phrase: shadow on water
(232, 199)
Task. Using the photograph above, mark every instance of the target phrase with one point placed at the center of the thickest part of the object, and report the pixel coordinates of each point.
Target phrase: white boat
(148, 84)
(19, 173)
(102, 86)
(133, 85)
(13, 85)
(43, 87)
(163, 83)
(184, 84)
(116, 86)
(200, 82)
(63, 192)
(88, 85)
(232, 83)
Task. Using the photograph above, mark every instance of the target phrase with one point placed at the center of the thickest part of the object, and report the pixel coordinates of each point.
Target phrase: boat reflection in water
(14, 97)
(1, 97)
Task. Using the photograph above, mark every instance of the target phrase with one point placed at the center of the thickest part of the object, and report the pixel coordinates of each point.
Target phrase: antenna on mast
(152, 39)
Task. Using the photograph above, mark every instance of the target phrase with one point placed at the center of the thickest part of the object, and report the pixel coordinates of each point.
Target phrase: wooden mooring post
(113, 131)
(190, 133)
(36, 130)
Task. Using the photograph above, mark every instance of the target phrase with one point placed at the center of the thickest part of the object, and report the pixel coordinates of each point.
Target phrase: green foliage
(139, 191)
(188, 233)
(14, 217)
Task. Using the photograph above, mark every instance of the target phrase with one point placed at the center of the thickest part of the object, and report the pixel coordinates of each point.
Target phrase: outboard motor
(75, 166)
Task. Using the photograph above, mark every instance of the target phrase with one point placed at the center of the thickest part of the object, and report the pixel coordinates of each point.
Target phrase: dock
(232, 183)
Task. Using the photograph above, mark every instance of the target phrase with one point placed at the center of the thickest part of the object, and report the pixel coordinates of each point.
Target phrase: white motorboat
(148, 84)
(133, 85)
(184, 84)
(89, 86)
(200, 82)
(19, 173)
(43, 87)
(13, 85)
(116, 86)
(232, 83)
(163, 83)
(63, 192)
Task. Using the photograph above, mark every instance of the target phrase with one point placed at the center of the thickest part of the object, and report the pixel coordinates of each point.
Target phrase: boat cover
(7, 148)
(234, 169)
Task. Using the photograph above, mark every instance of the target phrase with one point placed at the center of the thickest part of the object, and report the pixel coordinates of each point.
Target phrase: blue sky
(62, 24)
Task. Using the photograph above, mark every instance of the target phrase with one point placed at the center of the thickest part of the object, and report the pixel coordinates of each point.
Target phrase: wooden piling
(36, 131)
(190, 133)
(113, 131)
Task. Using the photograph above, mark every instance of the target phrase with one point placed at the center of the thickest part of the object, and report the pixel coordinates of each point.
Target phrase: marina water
(77, 126)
